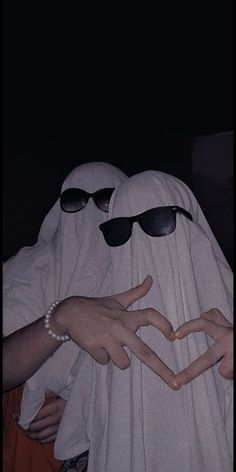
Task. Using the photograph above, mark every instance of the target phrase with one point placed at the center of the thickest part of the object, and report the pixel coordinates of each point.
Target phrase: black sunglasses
(158, 221)
(74, 199)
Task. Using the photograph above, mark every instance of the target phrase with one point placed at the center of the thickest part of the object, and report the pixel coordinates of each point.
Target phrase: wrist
(61, 317)
(54, 329)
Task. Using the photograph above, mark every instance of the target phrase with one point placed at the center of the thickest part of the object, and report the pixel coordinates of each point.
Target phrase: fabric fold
(135, 422)
(69, 258)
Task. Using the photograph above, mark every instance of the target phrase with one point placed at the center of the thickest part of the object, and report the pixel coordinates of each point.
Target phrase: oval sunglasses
(75, 199)
(159, 221)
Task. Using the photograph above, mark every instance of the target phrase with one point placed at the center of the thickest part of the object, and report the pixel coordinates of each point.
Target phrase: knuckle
(58, 407)
(124, 364)
(90, 344)
(116, 326)
(202, 323)
(152, 312)
(145, 353)
(152, 317)
(222, 370)
(54, 407)
(38, 436)
(168, 331)
(148, 313)
(229, 333)
(102, 359)
(170, 335)
(213, 312)
(181, 378)
(226, 372)
(47, 440)
(169, 379)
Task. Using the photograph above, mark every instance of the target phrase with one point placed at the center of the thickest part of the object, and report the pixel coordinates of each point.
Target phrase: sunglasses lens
(73, 199)
(158, 221)
(116, 232)
(102, 198)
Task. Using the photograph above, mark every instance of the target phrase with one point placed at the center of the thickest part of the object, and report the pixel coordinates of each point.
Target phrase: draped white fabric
(130, 420)
(69, 258)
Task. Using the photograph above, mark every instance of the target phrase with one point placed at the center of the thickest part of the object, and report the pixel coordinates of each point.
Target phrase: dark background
(129, 87)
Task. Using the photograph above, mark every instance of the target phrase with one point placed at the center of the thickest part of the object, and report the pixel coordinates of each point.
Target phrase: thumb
(133, 294)
(216, 316)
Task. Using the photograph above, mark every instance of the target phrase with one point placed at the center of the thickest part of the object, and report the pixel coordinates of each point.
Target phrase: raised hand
(218, 328)
(103, 326)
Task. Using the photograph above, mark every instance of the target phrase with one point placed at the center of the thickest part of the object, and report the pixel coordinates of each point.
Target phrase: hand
(220, 329)
(45, 425)
(102, 326)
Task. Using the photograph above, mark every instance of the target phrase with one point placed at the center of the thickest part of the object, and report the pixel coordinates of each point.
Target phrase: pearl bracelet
(58, 337)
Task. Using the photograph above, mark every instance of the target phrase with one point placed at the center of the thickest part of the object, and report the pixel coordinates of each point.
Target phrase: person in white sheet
(131, 420)
(70, 261)
(63, 262)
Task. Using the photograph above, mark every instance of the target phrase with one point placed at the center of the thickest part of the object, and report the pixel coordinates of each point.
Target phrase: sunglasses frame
(85, 196)
(132, 219)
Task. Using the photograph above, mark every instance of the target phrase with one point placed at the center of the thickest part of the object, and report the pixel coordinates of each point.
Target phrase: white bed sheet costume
(70, 257)
(131, 421)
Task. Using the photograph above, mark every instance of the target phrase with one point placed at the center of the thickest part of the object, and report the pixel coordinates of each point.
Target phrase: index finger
(200, 365)
(150, 316)
(199, 324)
(133, 294)
(150, 359)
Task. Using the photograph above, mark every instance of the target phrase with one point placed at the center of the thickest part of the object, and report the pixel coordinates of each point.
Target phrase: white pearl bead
(47, 317)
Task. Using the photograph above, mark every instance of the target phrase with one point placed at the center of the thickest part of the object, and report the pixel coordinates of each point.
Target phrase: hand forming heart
(218, 328)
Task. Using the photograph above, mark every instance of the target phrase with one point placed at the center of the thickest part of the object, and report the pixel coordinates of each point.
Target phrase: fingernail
(171, 336)
(177, 386)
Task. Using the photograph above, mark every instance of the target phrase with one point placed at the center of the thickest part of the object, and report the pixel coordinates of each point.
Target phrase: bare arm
(24, 351)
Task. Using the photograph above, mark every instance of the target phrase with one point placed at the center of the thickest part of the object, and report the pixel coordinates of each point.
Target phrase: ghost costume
(131, 421)
(69, 258)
